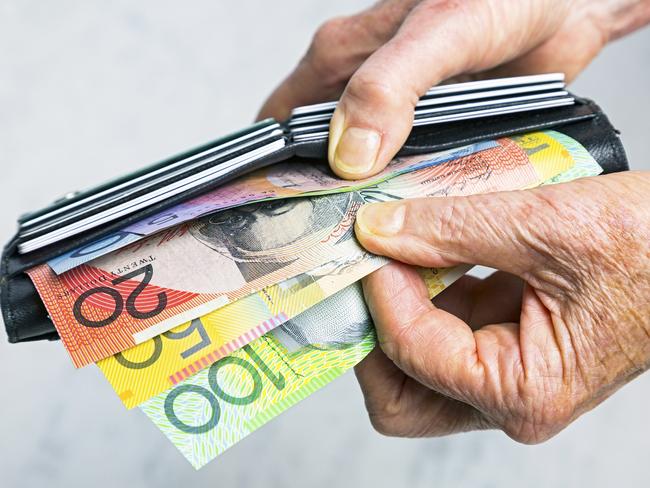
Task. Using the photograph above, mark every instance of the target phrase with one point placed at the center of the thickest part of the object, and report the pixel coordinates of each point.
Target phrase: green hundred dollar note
(217, 407)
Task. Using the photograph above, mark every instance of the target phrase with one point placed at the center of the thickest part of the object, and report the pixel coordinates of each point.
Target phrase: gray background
(88, 92)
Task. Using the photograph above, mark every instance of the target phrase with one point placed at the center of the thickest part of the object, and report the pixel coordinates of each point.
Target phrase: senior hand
(527, 357)
(389, 55)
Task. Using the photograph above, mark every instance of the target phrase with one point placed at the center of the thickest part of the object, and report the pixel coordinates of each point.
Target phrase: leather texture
(25, 316)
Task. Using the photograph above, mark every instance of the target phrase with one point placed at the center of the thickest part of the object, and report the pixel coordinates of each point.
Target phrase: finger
(430, 345)
(480, 302)
(546, 342)
(510, 231)
(400, 406)
(375, 113)
(337, 49)
(381, 383)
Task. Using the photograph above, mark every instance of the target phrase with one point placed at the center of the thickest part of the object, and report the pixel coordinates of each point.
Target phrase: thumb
(504, 230)
(436, 41)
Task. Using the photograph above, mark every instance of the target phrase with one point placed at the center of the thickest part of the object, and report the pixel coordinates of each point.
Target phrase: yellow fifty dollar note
(546, 152)
(147, 369)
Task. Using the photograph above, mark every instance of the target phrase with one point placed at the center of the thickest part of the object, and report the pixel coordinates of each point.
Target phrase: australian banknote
(152, 367)
(145, 289)
(584, 163)
(291, 179)
(217, 407)
(149, 368)
(131, 296)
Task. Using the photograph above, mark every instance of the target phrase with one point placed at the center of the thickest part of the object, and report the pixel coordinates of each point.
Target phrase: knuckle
(366, 89)
(386, 425)
(406, 345)
(449, 222)
(455, 8)
(386, 415)
(326, 54)
(460, 221)
(330, 32)
(397, 343)
(542, 413)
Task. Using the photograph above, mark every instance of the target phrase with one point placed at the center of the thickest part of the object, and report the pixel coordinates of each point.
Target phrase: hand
(386, 57)
(527, 355)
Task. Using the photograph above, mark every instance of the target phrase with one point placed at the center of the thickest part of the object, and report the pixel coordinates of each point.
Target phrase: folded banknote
(138, 292)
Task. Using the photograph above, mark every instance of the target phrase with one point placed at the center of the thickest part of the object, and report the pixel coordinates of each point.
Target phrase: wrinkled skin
(525, 355)
(566, 320)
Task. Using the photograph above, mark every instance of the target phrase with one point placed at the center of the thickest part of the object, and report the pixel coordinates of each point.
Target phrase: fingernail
(337, 123)
(356, 150)
(381, 219)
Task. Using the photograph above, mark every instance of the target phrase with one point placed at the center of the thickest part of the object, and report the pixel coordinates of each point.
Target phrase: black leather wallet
(24, 314)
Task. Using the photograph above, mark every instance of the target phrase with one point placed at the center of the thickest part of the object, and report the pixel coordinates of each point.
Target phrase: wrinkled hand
(566, 321)
(386, 57)
(526, 350)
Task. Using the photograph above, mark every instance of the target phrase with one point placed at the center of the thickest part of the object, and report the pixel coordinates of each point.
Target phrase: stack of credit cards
(449, 103)
(80, 212)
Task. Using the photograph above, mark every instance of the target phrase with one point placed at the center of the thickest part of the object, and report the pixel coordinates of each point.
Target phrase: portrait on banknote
(266, 236)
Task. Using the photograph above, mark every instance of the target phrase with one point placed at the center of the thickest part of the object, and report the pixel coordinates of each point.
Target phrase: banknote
(584, 163)
(152, 367)
(550, 152)
(138, 292)
(298, 177)
(139, 378)
(217, 407)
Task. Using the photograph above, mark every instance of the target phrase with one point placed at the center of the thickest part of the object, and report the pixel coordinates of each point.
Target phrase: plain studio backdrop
(91, 90)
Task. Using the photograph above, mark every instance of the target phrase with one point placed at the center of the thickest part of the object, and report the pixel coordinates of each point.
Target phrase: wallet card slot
(493, 111)
(455, 88)
(505, 92)
(321, 131)
(206, 159)
(181, 184)
(494, 84)
(496, 103)
(75, 196)
(149, 178)
(320, 121)
(450, 108)
(430, 138)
